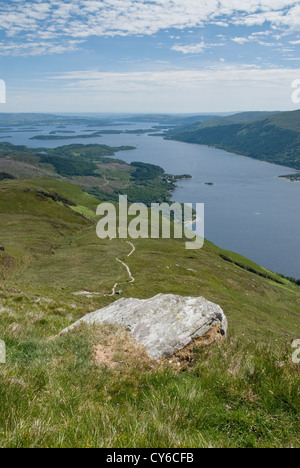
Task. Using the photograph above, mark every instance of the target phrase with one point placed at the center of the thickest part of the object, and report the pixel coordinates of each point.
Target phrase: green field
(242, 392)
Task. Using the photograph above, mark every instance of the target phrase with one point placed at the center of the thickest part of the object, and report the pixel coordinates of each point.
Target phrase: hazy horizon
(124, 113)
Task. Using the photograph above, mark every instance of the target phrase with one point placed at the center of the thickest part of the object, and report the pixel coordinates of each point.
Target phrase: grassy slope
(274, 139)
(237, 393)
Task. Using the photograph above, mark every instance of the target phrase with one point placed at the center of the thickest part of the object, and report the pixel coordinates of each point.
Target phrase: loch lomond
(248, 209)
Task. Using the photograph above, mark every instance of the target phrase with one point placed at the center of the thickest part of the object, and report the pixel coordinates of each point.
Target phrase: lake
(247, 209)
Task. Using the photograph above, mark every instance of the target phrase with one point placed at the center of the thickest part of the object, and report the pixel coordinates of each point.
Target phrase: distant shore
(290, 177)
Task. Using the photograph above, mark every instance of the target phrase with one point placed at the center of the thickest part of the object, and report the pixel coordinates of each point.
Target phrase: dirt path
(113, 293)
(133, 249)
(132, 280)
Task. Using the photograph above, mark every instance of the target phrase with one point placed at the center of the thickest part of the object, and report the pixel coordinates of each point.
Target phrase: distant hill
(166, 119)
(37, 120)
(242, 117)
(274, 138)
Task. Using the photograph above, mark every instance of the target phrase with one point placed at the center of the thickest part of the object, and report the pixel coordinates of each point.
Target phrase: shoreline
(290, 179)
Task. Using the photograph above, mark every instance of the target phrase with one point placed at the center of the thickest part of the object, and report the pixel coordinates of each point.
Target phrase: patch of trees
(70, 167)
(291, 279)
(86, 152)
(145, 171)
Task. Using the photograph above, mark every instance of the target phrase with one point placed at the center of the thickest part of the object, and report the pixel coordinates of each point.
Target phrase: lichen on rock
(163, 324)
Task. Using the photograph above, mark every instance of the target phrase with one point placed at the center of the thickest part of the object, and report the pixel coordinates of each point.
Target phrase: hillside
(89, 167)
(240, 118)
(56, 227)
(237, 393)
(275, 139)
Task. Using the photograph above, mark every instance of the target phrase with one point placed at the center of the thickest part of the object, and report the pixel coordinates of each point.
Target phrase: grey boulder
(163, 324)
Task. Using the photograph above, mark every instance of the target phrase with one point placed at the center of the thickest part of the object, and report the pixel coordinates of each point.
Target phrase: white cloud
(213, 89)
(37, 48)
(240, 40)
(191, 48)
(80, 19)
(221, 23)
(280, 18)
(195, 48)
(255, 37)
(103, 82)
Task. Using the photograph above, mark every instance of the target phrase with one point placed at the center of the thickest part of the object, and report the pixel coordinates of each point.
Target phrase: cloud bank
(36, 21)
(220, 88)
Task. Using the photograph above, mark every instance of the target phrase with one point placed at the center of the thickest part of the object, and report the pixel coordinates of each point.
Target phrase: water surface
(247, 209)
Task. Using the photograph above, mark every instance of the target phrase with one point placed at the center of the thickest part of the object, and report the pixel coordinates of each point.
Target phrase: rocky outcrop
(163, 324)
(4, 176)
(56, 198)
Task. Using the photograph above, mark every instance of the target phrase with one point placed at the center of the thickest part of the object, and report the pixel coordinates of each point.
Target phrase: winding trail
(113, 293)
(133, 248)
(132, 279)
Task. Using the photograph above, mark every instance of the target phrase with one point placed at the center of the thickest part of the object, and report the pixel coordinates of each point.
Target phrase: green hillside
(275, 139)
(239, 393)
(240, 118)
(89, 167)
(40, 231)
(287, 120)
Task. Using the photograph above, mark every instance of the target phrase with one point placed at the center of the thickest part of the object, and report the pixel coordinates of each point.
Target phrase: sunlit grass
(54, 392)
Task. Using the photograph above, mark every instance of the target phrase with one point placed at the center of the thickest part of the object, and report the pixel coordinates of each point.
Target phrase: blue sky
(149, 56)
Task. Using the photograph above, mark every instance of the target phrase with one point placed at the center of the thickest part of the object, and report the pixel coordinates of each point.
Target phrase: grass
(53, 394)
(242, 392)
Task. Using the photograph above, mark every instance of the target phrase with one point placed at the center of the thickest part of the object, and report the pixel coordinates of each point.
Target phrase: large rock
(163, 324)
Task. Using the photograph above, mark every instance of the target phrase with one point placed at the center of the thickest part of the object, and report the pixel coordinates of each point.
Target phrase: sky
(138, 56)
